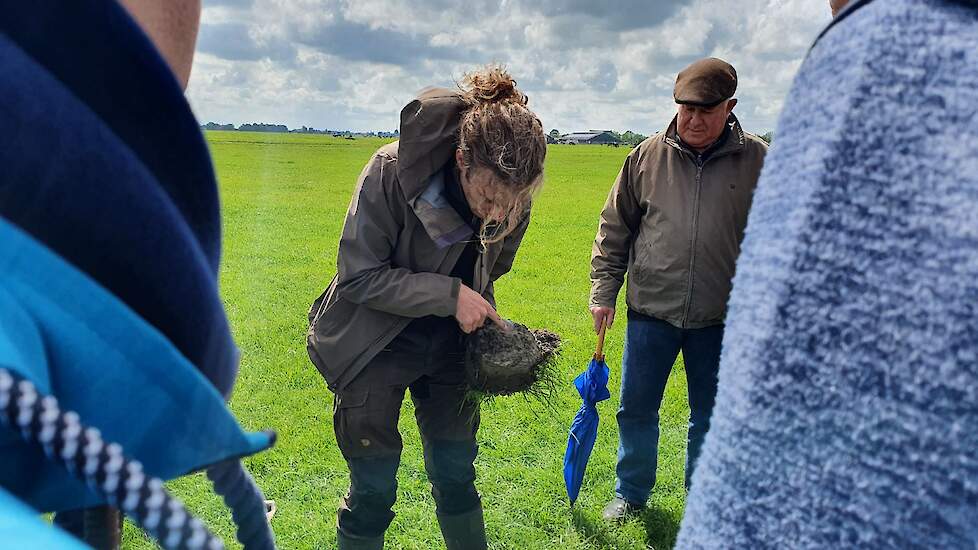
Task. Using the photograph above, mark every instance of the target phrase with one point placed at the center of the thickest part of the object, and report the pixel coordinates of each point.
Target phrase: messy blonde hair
(500, 133)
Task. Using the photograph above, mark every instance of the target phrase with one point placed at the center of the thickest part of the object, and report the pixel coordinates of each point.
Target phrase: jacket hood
(428, 137)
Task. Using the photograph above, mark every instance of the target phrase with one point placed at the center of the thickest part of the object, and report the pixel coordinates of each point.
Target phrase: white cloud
(351, 64)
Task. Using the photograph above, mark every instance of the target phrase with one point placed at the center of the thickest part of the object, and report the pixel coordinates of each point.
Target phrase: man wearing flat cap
(674, 221)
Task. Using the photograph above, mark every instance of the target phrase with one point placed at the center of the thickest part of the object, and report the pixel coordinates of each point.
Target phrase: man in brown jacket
(674, 221)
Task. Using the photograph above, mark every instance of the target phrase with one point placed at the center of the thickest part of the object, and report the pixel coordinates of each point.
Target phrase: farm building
(591, 137)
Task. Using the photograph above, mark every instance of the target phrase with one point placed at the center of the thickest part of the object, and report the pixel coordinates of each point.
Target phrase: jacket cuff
(450, 304)
(603, 300)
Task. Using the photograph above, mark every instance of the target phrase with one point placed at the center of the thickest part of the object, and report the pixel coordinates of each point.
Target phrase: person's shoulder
(648, 146)
(387, 153)
(383, 163)
(753, 141)
(650, 143)
(754, 146)
(380, 173)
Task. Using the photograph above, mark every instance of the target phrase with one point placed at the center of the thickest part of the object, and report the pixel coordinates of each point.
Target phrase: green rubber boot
(347, 542)
(464, 531)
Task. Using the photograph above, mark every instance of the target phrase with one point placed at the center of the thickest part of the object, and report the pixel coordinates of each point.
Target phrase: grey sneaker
(620, 509)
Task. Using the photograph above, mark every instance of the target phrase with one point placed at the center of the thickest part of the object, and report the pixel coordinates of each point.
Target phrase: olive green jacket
(400, 241)
(674, 224)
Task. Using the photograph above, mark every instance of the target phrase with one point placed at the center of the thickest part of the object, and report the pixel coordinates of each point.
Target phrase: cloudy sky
(610, 64)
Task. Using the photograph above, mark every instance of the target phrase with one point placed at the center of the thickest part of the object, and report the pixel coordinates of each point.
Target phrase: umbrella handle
(599, 352)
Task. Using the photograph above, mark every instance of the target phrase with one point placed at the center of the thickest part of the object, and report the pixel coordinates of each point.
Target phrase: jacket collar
(735, 140)
(440, 220)
(428, 140)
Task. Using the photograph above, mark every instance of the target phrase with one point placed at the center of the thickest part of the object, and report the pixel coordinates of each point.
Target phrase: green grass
(284, 198)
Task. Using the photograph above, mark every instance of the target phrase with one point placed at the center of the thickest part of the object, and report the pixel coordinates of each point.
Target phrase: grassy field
(284, 197)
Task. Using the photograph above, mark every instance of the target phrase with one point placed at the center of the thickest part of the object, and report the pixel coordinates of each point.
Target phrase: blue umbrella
(592, 384)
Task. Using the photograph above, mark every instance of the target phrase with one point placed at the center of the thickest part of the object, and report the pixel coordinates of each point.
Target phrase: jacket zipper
(479, 271)
(693, 239)
(696, 215)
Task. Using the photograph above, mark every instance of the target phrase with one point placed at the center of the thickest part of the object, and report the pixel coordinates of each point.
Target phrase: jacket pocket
(316, 308)
(642, 257)
(355, 425)
(321, 335)
(319, 304)
(349, 399)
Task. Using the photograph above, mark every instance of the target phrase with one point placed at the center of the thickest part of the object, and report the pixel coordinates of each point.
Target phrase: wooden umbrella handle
(599, 352)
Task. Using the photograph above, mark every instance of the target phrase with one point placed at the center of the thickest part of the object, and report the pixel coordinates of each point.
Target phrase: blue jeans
(651, 348)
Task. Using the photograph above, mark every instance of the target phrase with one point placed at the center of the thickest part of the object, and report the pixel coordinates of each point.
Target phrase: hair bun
(491, 85)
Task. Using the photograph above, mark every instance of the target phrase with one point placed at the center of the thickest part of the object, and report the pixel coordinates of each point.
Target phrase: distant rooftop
(581, 135)
(591, 136)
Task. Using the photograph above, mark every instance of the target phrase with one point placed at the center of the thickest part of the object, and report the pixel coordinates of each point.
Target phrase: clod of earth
(502, 362)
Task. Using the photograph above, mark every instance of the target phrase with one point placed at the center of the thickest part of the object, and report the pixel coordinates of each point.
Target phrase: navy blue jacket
(101, 160)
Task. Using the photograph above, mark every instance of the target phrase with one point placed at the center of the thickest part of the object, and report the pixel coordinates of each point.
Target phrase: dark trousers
(651, 348)
(365, 421)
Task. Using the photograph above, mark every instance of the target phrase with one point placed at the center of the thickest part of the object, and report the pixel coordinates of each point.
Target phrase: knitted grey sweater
(847, 413)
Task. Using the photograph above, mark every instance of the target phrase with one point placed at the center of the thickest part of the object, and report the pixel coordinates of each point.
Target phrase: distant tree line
(215, 126)
(262, 127)
(628, 137)
(632, 139)
(281, 128)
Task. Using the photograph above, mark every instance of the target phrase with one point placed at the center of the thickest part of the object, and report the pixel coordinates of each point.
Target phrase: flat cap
(706, 83)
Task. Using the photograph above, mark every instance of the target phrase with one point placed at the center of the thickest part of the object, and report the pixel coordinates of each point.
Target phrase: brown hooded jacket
(399, 244)
(674, 222)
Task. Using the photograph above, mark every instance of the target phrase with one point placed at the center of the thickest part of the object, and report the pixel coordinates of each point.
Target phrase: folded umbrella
(592, 384)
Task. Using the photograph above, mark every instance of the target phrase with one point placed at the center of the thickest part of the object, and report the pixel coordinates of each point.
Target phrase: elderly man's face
(699, 126)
